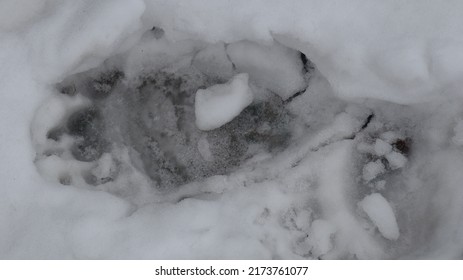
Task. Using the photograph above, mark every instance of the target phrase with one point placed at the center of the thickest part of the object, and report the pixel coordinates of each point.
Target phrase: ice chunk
(396, 160)
(372, 170)
(219, 104)
(274, 67)
(380, 213)
(213, 62)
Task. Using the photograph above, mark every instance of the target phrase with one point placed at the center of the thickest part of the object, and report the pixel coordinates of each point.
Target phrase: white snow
(219, 104)
(381, 214)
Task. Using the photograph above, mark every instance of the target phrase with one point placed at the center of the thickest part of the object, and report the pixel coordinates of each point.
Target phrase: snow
(303, 219)
(382, 147)
(321, 237)
(219, 104)
(381, 214)
(282, 176)
(105, 168)
(334, 196)
(275, 67)
(458, 131)
(204, 149)
(213, 61)
(80, 35)
(379, 185)
(359, 50)
(372, 170)
(16, 14)
(396, 160)
(389, 136)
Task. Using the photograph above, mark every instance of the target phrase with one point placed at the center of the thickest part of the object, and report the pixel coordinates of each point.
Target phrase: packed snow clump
(219, 104)
(380, 212)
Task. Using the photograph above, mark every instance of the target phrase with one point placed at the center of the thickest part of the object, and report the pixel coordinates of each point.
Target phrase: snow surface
(281, 178)
(219, 104)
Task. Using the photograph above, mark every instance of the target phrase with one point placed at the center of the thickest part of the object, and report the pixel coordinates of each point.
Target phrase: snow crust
(399, 62)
